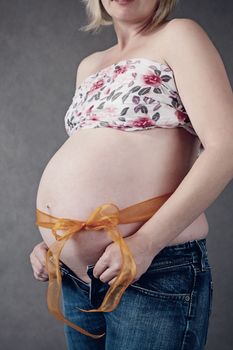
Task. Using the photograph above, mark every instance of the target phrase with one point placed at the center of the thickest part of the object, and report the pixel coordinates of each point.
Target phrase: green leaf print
(116, 95)
(144, 91)
(135, 88)
(165, 78)
(157, 90)
(124, 111)
(125, 97)
(102, 123)
(144, 109)
(155, 116)
(110, 96)
(101, 105)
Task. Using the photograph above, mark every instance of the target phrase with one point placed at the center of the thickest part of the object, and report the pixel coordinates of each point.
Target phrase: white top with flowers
(130, 95)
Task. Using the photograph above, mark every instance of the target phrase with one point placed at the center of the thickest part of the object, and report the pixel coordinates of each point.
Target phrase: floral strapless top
(130, 95)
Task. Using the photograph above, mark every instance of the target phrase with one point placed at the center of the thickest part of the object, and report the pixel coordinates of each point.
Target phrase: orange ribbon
(105, 217)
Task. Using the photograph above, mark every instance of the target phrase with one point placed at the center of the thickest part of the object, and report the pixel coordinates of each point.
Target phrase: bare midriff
(103, 165)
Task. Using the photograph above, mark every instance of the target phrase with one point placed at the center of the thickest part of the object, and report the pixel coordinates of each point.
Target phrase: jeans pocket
(174, 281)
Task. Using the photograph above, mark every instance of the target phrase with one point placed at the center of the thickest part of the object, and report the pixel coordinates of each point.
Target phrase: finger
(107, 275)
(41, 255)
(38, 268)
(43, 245)
(112, 281)
(100, 267)
(40, 272)
(41, 278)
(35, 260)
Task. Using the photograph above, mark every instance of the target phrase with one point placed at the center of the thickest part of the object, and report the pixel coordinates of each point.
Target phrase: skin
(37, 259)
(204, 103)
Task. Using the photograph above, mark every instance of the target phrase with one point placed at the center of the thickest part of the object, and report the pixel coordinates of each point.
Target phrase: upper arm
(84, 67)
(202, 82)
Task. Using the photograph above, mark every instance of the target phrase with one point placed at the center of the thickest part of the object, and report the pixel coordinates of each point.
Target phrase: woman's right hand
(38, 258)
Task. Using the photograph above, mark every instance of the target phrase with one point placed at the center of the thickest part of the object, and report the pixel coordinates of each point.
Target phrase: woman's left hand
(109, 264)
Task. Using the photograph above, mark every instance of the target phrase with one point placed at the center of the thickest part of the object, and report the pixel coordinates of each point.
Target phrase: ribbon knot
(103, 217)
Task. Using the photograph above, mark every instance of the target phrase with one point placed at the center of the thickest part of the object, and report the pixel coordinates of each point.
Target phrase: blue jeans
(167, 308)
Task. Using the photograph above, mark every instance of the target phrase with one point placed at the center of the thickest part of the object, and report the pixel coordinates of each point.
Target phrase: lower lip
(123, 2)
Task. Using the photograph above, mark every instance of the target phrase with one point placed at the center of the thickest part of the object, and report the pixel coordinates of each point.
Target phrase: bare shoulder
(182, 23)
(184, 27)
(201, 80)
(189, 38)
(85, 67)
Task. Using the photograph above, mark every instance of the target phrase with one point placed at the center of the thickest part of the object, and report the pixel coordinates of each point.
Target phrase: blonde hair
(99, 17)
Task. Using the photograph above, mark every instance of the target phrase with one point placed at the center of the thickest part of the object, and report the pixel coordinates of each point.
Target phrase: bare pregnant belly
(96, 166)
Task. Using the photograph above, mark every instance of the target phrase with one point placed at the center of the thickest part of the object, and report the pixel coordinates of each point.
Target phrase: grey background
(40, 48)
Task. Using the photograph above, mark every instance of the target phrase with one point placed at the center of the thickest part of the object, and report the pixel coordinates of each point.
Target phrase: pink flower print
(152, 79)
(143, 122)
(107, 91)
(89, 109)
(93, 117)
(77, 113)
(181, 116)
(111, 111)
(174, 94)
(96, 85)
(120, 127)
(119, 70)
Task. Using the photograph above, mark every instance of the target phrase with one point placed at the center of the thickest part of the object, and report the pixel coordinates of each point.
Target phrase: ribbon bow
(104, 217)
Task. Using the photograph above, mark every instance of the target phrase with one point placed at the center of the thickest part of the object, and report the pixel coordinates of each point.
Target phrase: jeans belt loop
(202, 250)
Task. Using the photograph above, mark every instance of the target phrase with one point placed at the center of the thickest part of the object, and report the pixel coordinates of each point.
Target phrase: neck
(127, 35)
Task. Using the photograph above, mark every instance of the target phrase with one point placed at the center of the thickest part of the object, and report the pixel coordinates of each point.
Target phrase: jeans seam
(160, 294)
(190, 308)
(211, 297)
(161, 268)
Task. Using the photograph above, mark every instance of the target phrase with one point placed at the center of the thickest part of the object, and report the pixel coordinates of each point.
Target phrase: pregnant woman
(120, 206)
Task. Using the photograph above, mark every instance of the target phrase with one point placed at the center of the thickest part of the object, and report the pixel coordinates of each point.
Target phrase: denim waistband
(189, 246)
(194, 251)
(191, 251)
